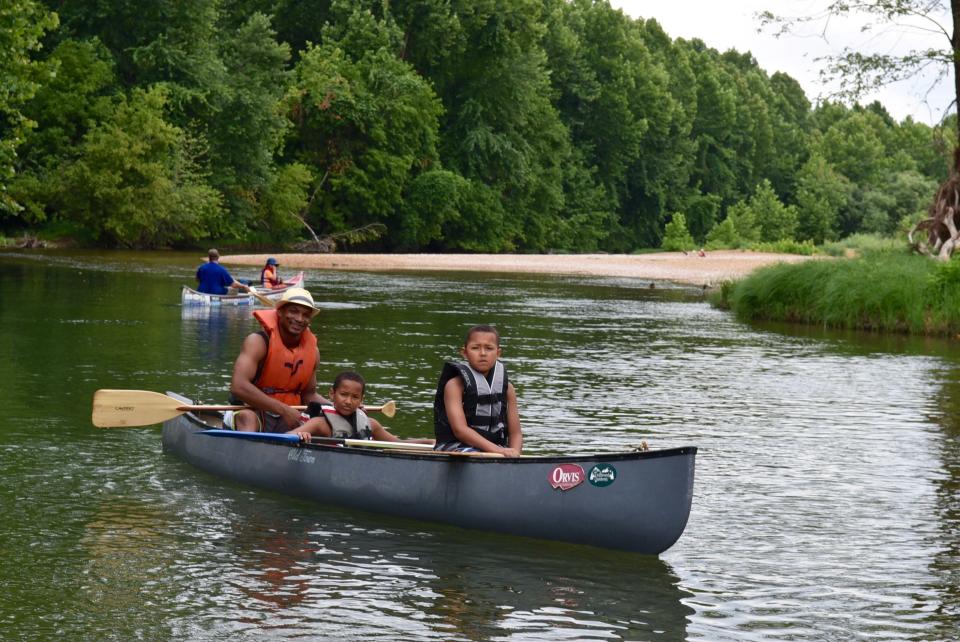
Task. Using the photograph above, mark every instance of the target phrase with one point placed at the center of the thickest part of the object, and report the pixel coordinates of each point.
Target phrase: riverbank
(709, 270)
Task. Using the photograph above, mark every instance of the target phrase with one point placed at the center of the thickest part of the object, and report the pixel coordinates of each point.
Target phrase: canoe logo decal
(602, 475)
(566, 476)
(301, 455)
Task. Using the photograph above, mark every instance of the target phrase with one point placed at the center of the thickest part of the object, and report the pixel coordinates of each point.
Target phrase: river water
(825, 505)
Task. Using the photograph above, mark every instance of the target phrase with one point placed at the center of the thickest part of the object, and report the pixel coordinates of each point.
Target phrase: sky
(732, 24)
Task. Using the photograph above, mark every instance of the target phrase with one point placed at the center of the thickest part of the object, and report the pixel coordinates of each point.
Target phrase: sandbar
(689, 268)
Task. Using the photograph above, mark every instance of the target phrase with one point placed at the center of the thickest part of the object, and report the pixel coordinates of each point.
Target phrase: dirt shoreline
(691, 269)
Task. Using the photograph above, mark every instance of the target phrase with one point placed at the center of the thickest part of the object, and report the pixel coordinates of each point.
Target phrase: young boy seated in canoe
(475, 407)
(346, 418)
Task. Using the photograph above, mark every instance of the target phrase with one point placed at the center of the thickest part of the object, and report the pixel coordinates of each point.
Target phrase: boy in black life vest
(346, 419)
(475, 407)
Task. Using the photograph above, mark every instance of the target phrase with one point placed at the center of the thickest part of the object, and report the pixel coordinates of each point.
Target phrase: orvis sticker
(602, 475)
(566, 476)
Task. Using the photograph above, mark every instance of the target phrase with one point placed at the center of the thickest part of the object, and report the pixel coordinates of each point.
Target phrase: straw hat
(298, 296)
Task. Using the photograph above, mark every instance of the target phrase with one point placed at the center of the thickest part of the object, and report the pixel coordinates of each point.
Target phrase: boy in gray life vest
(346, 419)
(475, 407)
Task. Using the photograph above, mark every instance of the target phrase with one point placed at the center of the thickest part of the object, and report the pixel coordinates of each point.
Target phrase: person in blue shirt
(214, 278)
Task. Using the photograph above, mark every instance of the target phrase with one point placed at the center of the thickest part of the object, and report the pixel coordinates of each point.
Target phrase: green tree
(859, 73)
(744, 221)
(821, 195)
(136, 182)
(676, 237)
(368, 126)
(246, 128)
(723, 236)
(853, 146)
(777, 221)
(22, 25)
(500, 128)
(64, 108)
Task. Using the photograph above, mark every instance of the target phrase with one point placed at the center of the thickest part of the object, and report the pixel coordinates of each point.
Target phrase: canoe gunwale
(534, 459)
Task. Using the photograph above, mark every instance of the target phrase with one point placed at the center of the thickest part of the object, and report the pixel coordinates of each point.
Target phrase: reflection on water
(286, 568)
(825, 503)
(946, 564)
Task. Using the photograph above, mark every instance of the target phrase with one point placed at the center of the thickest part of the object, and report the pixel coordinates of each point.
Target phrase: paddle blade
(126, 408)
(389, 409)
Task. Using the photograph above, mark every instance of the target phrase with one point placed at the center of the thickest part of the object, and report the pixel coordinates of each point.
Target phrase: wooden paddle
(127, 408)
(262, 298)
(398, 446)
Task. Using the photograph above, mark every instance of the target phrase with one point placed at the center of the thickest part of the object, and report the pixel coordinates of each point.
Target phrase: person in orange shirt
(269, 278)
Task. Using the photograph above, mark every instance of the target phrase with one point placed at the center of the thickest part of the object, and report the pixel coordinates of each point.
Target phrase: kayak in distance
(637, 501)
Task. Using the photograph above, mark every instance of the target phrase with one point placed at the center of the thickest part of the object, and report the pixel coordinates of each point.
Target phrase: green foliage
(22, 25)
(724, 236)
(859, 73)
(777, 222)
(821, 194)
(65, 108)
(676, 237)
(136, 182)
(702, 211)
(745, 223)
(865, 244)
(433, 200)
(246, 129)
(284, 199)
(468, 125)
(368, 125)
(880, 291)
(786, 246)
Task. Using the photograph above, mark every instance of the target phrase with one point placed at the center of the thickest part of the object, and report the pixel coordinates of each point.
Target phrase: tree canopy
(445, 125)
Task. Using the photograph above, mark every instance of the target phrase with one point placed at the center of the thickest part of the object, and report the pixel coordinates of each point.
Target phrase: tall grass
(886, 291)
(865, 244)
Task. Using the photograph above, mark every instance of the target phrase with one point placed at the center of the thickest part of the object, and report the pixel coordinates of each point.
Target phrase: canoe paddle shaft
(129, 408)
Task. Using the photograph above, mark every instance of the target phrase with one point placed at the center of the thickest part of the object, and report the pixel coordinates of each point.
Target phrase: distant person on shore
(213, 278)
(276, 370)
(346, 418)
(269, 277)
(475, 407)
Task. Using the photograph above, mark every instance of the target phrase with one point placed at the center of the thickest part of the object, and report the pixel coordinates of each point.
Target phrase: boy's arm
(514, 434)
(380, 433)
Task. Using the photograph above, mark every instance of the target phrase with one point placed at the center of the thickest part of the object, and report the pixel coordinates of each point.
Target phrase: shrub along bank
(886, 291)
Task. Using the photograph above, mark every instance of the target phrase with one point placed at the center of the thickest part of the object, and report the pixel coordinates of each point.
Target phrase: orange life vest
(285, 372)
(269, 277)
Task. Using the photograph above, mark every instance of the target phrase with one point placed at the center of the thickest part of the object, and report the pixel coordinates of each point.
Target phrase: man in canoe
(213, 278)
(269, 278)
(276, 370)
(475, 407)
(346, 418)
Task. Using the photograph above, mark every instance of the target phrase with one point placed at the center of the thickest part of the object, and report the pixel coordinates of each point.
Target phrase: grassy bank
(886, 291)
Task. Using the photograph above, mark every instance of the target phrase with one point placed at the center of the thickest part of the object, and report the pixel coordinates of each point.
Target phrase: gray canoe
(632, 501)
